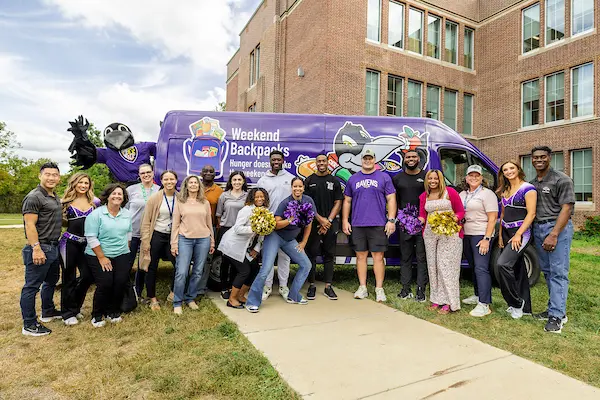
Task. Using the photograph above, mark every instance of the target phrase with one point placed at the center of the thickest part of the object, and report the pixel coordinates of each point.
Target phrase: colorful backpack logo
(207, 146)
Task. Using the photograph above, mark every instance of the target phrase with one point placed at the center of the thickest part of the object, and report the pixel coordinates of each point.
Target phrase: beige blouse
(192, 221)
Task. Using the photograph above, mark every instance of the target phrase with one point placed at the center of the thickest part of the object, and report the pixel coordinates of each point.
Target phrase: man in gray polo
(42, 217)
(553, 234)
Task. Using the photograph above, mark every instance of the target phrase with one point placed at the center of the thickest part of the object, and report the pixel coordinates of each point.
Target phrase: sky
(112, 61)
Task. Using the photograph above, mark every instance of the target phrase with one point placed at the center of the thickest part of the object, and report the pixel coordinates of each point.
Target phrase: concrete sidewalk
(351, 349)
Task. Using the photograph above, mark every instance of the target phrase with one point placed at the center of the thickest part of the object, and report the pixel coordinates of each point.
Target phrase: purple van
(230, 141)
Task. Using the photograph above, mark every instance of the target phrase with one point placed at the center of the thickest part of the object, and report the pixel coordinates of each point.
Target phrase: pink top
(192, 221)
(457, 207)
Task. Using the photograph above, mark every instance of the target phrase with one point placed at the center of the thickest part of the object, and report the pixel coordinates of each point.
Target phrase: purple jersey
(124, 164)
(368, 193)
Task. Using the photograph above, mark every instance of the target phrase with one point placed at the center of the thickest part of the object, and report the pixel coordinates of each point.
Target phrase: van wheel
(214, 277)
(531, 263)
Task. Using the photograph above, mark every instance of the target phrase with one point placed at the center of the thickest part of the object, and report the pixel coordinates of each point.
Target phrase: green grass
(11, 219)
(150, 355)
(575, 352)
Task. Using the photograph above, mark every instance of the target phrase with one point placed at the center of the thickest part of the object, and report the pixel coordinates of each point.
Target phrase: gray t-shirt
(228, 207)
(554, 190)
(138, 196)
(49, 211)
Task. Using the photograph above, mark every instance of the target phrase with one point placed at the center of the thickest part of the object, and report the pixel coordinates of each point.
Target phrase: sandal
(434, 307)
(155, 306)
(444, 310)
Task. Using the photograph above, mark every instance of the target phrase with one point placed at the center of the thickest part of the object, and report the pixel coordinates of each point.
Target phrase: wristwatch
(488, 238)
(35, 244)
(329, 219)
(392, 220)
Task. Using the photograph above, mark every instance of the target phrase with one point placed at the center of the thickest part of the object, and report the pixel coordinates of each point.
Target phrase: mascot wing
(85, 151)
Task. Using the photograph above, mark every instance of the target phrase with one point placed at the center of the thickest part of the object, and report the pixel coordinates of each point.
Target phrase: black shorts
(369, 238)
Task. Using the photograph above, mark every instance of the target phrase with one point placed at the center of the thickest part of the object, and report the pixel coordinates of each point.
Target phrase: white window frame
(472, 96)
(455, 128)
(403, 39)
(439, 37)
(378, 23)
(378, 88)
(573, 33)
(546, 36)
(523, 27)
(522, 104)
(422, 30)
(546, 99)
(439, 103)
(571, 91)
(456, 41)
(472, 66)
(573, 174)
(398, 106)
(408, 82)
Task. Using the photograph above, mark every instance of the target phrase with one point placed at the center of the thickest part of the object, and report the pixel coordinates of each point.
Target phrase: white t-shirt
(163, 221)
(477, 205)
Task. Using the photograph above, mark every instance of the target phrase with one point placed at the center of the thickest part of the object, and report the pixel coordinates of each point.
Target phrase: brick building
(507, 74)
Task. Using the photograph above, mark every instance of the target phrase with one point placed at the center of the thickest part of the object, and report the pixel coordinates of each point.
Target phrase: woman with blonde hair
(519, 201)
(77, 203)
(444, 252)
(192, 238)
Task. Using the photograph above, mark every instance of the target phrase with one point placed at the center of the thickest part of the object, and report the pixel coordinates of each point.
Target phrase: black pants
(140, 276)
(110, 285)
(74, 289)
(160, 247)
(514, 282)
(323, 245)
(410, 246)
(246, 271)
(227, 270)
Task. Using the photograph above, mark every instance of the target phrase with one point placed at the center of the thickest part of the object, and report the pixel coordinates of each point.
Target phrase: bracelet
(35, 244)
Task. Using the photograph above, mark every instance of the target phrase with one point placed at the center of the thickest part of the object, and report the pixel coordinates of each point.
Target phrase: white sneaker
(266, 293)
(380, 295)
(114, 320)
(284, 291)
(98, 324)
(361, 293)
(516, 313)
(79, 316)
(481, 310)
(471, 300)
(71, 321)
(302, 301)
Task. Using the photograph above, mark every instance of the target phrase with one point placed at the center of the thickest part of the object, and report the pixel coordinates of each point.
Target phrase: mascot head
(118, 136)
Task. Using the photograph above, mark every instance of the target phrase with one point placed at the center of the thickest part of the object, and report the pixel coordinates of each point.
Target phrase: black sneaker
(543, 316)
(405, 294)
(35, 329)
(311, 294)
(554, 325)
(225, 294)
(48, 317)
(420, 295)
(329, 293)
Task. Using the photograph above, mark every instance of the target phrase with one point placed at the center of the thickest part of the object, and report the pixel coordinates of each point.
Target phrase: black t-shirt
(48, 208)
(324, 190)
(408, 188)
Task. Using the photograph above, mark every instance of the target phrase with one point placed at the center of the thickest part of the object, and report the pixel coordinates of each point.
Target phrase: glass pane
(433, 102)
(396, 25)
(454, 165)
(531, 95)
(414, 99)
(415, 31)
(555, 102)
(555, 20)
(582, 14)
(450, 109)
(373, 14)
(434, 36)
(582, 91)
(451, 42)
(531, 28)
(558, 161)
(394, 98)
(372, 93)
(467, 114)
(468, 50)
(527, 168)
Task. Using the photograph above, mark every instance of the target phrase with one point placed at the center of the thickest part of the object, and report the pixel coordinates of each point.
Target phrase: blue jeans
(45, 275)
(555, 265)
(482, 281)
(189, 248)
(271, 246)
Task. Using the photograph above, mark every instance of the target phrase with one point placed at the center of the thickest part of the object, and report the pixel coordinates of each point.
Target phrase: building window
(555, 20)
(581, 161)
(433, 102)
(252, 108)
(373, 19)
(394, 99)
(414, 99)
(468, 114)
(469, 48)
(557, 161)
(434, 36)
(254, 65)
(396, 25)
(415, 31)
(555, 97)
(451, 42)
(450, 108)
(582, 16)
(372, 98)
(531, 103)
(531, 28)
(582, 91)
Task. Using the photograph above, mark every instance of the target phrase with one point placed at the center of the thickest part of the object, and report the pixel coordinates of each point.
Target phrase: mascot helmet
(118, 136)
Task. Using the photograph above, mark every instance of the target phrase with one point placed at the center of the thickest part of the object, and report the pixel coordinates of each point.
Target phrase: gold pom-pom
(443, 223)
(262, 221)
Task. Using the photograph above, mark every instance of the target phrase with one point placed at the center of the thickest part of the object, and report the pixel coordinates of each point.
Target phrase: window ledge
(585, 206)
(556, 44)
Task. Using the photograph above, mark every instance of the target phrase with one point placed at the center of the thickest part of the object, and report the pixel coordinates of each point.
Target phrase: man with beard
(278, 183)
(409, 185)
(326, 192)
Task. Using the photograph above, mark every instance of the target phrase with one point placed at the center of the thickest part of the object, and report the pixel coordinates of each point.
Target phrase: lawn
(11, 219)
(199, 355)
(575, 352)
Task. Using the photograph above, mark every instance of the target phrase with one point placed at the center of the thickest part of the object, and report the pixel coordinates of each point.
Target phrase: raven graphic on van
(207, 146)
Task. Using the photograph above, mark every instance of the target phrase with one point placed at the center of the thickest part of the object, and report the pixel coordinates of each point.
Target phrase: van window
(488, 174)
(454, 167)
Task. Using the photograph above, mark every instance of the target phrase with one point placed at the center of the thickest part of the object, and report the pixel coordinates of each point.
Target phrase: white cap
(475, 168)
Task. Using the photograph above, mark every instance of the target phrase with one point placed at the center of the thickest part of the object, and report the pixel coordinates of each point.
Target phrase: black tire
(214, 279)
(531, 263)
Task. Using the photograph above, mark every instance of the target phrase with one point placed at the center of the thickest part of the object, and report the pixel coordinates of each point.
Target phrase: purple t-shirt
(124, 164)
(368, 193)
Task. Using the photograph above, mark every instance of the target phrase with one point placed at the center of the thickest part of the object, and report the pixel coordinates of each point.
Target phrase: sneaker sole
(481, 316)
(49, 319)
(27, 333)
(558, 331)
(251, 311)
(311, 298)
(330, 298)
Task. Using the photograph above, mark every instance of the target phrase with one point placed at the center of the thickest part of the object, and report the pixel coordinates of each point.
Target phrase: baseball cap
(475, 168)
(368, 152)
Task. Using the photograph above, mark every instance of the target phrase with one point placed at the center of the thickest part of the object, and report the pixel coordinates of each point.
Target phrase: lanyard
(170, 207)
(144, 194)
(469, 198)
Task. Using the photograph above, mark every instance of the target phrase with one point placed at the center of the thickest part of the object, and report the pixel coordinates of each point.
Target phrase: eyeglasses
(145, 173)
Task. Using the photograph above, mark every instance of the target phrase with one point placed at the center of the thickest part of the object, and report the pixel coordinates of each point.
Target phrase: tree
(8, 142)
(222, 106)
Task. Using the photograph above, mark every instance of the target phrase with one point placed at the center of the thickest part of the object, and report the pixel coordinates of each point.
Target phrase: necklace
(144, 194)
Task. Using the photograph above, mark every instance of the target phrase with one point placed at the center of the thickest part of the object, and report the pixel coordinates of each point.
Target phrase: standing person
(156, 230)
(368, 193)
(326, 192)
(409, 185)
(212, 193)
(278, 183)
(108, 233)
(519, 200)
(42, 219)
(77, 203)
(284, 238)
(553, 233)
(481, 213)
(443, 252)
(192, 238)
(230, 203)
(241, 246)
(139, 194)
